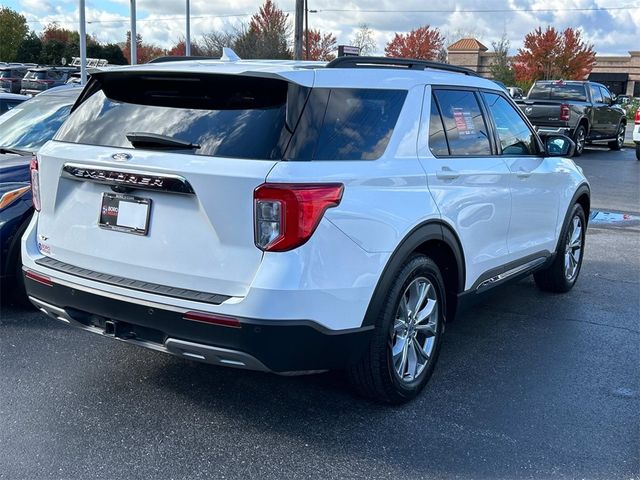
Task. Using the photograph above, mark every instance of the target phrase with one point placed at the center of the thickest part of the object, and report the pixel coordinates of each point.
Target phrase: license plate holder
(125, 213)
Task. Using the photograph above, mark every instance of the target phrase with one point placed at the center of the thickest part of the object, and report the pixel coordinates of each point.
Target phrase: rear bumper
(555, 131)
(285, 346)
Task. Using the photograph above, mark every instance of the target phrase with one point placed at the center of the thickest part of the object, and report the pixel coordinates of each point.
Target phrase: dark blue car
(23, 131)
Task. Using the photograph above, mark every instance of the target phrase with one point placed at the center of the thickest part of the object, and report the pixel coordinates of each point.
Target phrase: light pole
(187, 48)
(83, 44)
(133, 43)
(306, 26)
(297, 38)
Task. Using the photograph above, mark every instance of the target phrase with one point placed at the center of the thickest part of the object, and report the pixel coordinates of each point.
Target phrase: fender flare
(429, 230)
(581, 190)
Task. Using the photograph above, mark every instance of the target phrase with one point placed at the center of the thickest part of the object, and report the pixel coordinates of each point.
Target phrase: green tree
(501, 69)
(267, 36)
(13, 30)
(30, 49)
(112, 53)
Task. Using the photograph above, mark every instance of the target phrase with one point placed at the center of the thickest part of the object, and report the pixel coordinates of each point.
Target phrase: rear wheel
(618, 143)
(637, 151)
(580, 137)
(405, 345)
(561, 276)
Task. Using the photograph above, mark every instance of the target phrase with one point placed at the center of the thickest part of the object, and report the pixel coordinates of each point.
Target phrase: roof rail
(391, 62)
(181, 58)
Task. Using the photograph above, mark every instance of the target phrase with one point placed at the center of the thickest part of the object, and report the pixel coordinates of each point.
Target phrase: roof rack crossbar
(392, 62)
(181, 58)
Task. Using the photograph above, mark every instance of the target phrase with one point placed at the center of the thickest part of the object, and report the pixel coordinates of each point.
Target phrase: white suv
(285, 216)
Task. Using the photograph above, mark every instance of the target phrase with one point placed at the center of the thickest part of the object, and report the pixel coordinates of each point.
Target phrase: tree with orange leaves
(550, 54)
(423, 43)
(267, 35)
(321, 46)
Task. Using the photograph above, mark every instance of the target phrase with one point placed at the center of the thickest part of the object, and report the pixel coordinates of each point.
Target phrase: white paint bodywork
(205, 242)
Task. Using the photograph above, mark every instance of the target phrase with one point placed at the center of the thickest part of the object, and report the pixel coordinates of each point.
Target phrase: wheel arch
(437, 240)
(582, 196)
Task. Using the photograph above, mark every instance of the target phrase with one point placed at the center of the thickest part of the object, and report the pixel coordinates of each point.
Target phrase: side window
(596, 95)
(437, 140)
(3, 107)
(465, 128)
(516, 138)
(606, 95)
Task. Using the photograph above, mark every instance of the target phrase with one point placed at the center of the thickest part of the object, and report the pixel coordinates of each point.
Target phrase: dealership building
(620, 73)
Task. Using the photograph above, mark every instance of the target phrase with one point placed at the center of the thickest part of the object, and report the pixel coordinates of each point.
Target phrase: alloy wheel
(573, 249)
(414, 331)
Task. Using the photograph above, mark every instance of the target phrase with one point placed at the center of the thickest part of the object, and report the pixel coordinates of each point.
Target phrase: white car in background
(294, 216)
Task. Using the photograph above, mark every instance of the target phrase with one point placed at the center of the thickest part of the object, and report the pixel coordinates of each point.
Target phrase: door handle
(522, 173)
(447, 174)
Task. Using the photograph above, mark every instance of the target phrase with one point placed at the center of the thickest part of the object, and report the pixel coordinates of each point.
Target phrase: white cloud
(615, 31)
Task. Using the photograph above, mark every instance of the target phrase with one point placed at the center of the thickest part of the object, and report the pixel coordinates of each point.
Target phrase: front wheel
(562, 274)
(618, 143)
(408, 331)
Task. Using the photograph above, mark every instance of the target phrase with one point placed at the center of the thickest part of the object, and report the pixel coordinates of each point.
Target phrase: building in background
(621, 74)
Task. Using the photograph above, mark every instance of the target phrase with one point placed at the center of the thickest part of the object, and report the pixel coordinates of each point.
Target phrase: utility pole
(306, 26)
(133, 44)
(187, 47)
(297, 48)
(83, 44)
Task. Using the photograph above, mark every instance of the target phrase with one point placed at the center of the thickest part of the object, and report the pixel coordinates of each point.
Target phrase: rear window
(558, 91)
(237, 116)
(36, 75)
(227, 116)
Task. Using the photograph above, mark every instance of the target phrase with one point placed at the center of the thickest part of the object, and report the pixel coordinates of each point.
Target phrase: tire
(17, 291)
(618, 143)
(394, 379)
(562, 274)
(637, 151)
(580, 137)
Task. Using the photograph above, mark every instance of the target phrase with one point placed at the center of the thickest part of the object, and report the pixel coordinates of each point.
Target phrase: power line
(360, 10)
(464, 10)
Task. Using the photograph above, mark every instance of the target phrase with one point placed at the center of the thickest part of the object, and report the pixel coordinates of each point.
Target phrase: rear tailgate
(202, 241)
(228, 131)
(543, 113)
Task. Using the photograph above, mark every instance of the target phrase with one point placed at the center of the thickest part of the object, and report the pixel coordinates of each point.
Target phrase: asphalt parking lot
(528, 385)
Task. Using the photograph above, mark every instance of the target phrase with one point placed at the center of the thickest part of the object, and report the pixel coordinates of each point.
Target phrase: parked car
(636, 133)
(9, 101)
(39, 79)
(11, 78)
(582, 110)
(255, 214)
(29, 127)
(515, 92)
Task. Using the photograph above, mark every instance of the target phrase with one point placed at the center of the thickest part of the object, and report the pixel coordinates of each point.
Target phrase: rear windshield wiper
(155, 141)
(15, 151)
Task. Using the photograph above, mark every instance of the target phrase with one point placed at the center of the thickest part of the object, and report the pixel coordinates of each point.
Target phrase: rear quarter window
(346, 124)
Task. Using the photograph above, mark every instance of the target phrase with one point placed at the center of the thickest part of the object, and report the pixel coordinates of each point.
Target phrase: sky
(614, 31)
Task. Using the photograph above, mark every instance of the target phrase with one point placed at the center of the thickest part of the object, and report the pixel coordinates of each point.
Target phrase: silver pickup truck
(581, 110)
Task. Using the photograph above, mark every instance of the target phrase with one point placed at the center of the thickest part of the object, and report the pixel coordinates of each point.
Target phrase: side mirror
(559, 146)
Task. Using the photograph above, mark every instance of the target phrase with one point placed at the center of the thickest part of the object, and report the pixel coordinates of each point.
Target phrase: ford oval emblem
(121, 157)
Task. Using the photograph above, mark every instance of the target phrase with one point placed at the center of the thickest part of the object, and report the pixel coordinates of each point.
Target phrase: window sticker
(464, 121)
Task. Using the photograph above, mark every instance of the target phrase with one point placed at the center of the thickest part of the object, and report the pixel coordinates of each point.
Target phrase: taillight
(637, 120)
(35, 183)
(565, 112)
(286, 215)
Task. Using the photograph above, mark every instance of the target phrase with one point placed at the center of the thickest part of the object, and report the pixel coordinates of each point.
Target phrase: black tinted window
(346, 124)
(228, 116)
(516, 138)
(464, 124)
(558, 91)
(606, 95)
(437, 139)
(596, 96)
